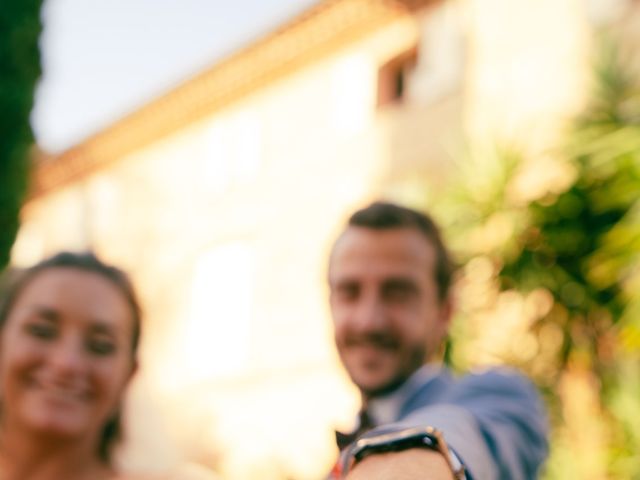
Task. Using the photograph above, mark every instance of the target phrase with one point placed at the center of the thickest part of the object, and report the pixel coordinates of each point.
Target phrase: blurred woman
(69, 333)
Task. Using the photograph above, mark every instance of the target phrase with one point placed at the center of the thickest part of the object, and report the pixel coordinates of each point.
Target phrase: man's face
(387, 315)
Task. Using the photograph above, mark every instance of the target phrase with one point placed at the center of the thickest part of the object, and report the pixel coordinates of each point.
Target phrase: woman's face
(65, 354)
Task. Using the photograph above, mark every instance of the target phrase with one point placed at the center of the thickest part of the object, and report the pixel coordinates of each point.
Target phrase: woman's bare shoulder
(175, 475)
(138, 476)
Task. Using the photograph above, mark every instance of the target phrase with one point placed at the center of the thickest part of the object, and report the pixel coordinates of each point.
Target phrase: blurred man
(389, 278)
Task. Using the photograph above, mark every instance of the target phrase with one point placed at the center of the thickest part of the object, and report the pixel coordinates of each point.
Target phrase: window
(393, 77)
(217, 332)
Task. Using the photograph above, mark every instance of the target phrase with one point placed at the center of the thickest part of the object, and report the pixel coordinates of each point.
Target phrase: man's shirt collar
(386, 408)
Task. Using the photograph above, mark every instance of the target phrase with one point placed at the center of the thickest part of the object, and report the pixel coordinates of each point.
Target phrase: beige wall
(225, 227)
(528, 67)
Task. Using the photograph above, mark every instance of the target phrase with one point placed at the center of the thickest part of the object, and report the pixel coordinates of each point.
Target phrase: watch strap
(415, 437)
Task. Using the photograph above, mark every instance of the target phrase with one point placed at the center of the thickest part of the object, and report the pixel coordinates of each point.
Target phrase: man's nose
(370, 314)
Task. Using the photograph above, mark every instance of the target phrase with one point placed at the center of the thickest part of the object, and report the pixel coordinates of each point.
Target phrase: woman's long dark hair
(87, 262)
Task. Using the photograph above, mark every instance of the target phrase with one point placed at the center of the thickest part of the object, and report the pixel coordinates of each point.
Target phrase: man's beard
(409, 363)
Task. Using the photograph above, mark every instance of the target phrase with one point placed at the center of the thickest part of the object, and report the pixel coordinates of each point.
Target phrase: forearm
(413, 464)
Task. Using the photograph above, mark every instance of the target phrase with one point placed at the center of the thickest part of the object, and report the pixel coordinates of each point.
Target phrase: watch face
(396, 441)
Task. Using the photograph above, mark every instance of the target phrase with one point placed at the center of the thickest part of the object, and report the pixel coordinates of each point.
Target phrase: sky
(102, 59)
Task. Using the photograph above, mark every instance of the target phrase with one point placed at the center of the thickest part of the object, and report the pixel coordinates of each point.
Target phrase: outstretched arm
(493, 421)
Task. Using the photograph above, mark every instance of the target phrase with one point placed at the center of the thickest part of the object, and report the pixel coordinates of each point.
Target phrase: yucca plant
(551, 274)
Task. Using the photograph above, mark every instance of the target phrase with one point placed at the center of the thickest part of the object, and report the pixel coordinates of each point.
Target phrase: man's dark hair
(385, 216)
(88, 262)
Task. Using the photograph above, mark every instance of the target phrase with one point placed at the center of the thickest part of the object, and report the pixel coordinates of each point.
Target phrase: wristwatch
(416, 437)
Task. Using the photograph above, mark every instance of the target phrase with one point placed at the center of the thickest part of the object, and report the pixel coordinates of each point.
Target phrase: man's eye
(41, 330)
(101, 346)
(398, 293)
(347, 292)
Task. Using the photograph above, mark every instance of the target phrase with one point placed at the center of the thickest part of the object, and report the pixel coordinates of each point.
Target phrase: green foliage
(583, 244)
(19, 70)
(556, 241)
